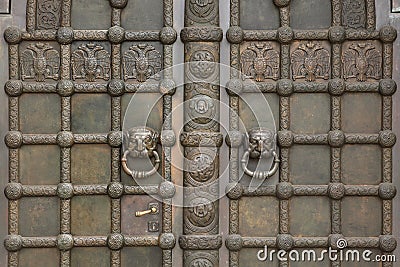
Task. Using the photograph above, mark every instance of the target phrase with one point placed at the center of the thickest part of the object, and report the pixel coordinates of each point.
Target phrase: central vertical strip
(201, 137)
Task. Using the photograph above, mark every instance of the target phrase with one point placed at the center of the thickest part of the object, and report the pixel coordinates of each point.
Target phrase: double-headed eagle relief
(310, 61)
(90, 62)
(260, 62)
(362, 61)
(40, 61)
(141, 62)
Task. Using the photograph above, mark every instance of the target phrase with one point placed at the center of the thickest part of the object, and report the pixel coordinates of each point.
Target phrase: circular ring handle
(260, 174)
(140, 174)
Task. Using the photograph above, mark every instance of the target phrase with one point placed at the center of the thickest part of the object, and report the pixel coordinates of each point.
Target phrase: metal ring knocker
(142, 143)
(261, 141)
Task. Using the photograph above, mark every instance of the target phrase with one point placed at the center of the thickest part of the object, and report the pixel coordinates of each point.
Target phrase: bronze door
(130, 146)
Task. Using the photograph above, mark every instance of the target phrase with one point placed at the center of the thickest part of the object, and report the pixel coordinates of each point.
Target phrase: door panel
(310, 83)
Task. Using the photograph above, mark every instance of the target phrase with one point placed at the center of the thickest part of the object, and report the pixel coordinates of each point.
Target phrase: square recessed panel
(91, 113)
(39, 165)
(362, 113)
(91, 164)
(358, 213)
(312, 257)
(310, 216)
(91, 15)
(40, 113)
(301, 13)
(258, 15)
(256, 111)
(39, 216)
(99, 257)
(34, 257)
(141, 15)
(362, 164)
(309, 164)
(259, 216)
(132, 225)
(142, 110)
(248, 257)
(310, 113)
(141, 256)
(90, 215)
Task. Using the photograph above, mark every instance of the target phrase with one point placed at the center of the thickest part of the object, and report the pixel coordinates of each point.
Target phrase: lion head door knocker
(261, 144)
(142, 143)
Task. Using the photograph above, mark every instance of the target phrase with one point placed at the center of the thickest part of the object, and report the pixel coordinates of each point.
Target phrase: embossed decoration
(114, 138)
(337, 34)
(234, 190)
(116, 87)
(201, 215)
(168, 35)
(167, 87)
(200, 259)
(115, 241)
(13, 191)
(387, 87)
(234, 87)
(362, 61)
(285, 34)
(284, 241)
(65, 88)
(310, 61)
(285, 138)
(387, 191)
(65, 190)
(235, 35)
(333, 240)
(261, 142)
(234, 242)
(13, 35)
(48, 14)
(13, 242)
(197, 242)
(387, 138)
(388, 34)
(116, 34)
(336, 87)
(281, 3)
(354, 13)
(284, 190)
(65, 35)
(13, 139)
(260, 61)
(336, 190)
(201, 165)
(40, 61)
(336, 138)
(65, 139)
(285, 87)
(13, 88)
(166, 241)
(387, 243)
(118, 3)
(90, 62)
(202, 110)
(166, 189)
(141, 62)
(234, 138)
(115, 190)
(65, 242)
(168, 138)
(202, 11)
(202, 66)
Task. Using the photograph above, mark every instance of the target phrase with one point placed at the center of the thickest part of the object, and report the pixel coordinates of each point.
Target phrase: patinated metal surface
(319, 74)
(69, 78)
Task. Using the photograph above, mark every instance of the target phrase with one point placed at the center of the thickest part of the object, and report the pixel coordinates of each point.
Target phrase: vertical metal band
(201, 188)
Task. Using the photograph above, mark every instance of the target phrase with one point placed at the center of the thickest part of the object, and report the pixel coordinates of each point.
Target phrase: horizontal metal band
(90, 241)
(141, 241)
(196, 139)
(195, 242)
(198, 34)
